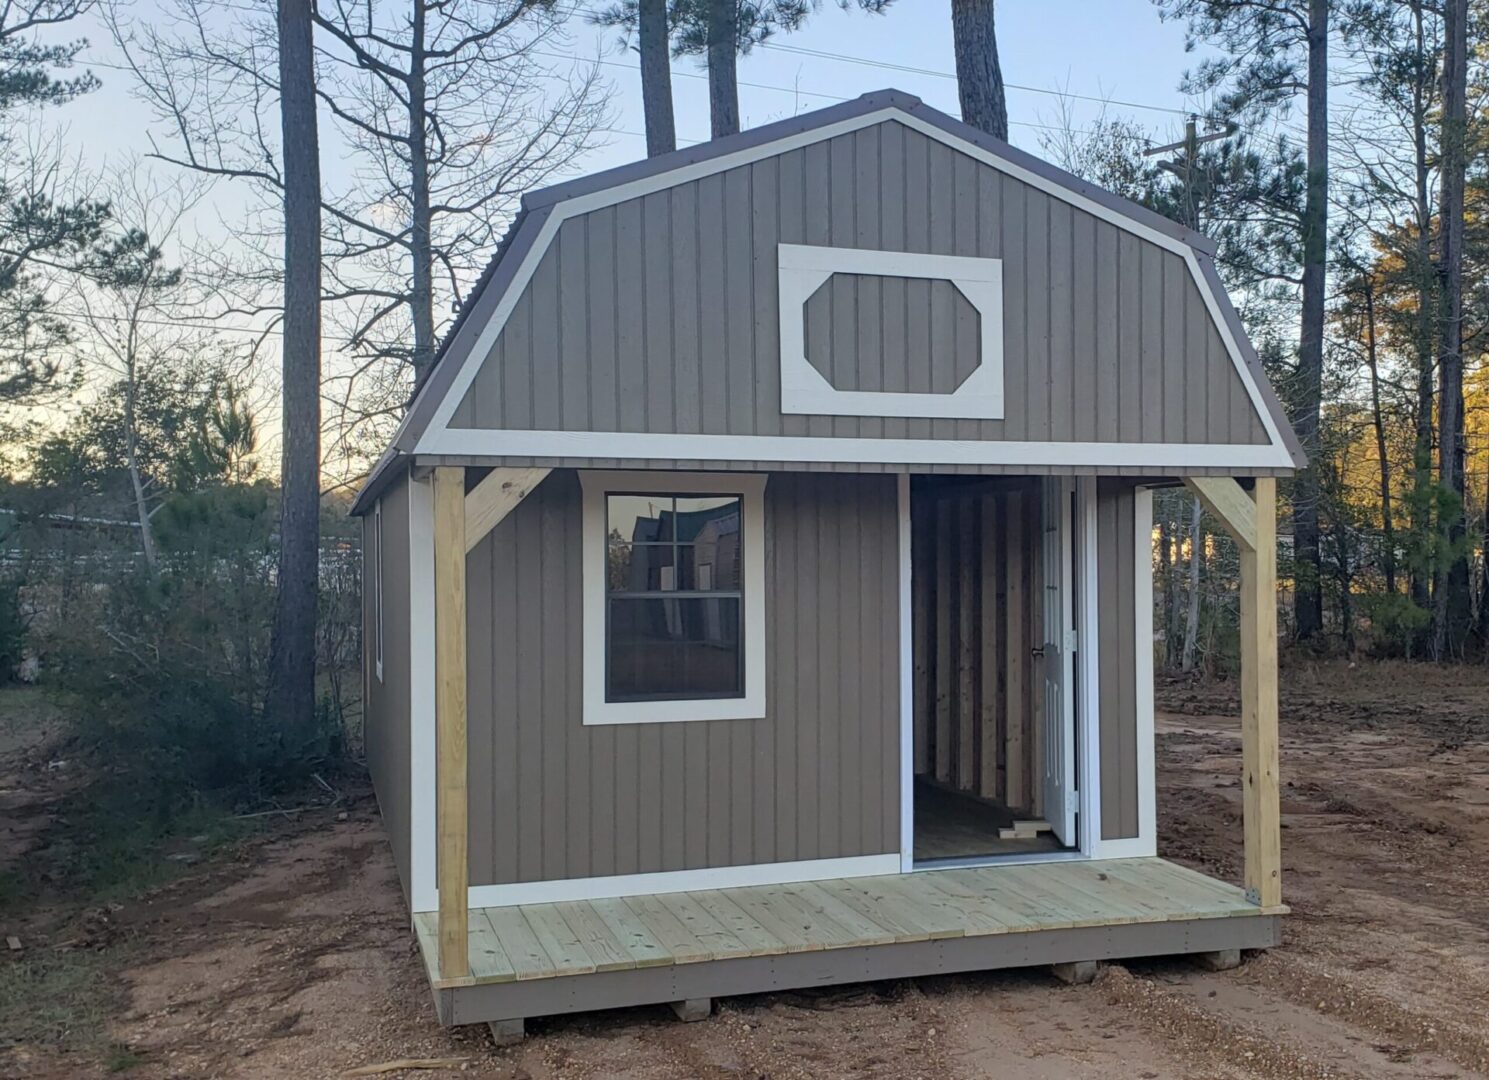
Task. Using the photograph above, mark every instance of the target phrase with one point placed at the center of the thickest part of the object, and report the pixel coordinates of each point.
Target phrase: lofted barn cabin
(759, 588)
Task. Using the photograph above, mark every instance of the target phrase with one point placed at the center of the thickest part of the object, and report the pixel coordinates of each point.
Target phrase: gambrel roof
(874, 283)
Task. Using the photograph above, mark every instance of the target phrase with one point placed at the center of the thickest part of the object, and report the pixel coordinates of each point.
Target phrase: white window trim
(751, 488)
(377, 571)
(803, 270)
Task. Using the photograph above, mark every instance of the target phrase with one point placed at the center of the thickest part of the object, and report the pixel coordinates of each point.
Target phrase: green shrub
(12, 628)
(169, 675)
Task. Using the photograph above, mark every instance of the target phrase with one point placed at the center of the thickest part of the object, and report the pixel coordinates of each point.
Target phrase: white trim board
(905, 622)
(724, 877)
(803, 269)
(433, 439)
(422, 743)
(751, 489)
(488, 442)
(1145, 843)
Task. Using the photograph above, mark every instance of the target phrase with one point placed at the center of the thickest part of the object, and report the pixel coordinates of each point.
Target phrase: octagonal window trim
(803, 269)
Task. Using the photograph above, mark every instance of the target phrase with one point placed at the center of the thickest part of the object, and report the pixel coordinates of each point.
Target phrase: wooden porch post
(1252, 521)
(449, 712)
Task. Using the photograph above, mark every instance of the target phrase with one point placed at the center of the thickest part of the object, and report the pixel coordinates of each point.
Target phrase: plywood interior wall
(977, 582)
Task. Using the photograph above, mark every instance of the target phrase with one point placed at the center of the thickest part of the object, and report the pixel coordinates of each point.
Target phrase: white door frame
(1086, 699)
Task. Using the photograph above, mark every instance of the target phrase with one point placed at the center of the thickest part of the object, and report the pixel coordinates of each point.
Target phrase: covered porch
(687, 947)
(683, 944)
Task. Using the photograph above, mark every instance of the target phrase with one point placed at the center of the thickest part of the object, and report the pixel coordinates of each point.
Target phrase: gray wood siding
(855, 326)
(386, 711)
(659, 314)
(1118, 658)
(817, 778)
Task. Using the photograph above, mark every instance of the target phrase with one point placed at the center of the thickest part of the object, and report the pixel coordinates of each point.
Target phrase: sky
(1084, 58)
(1116, 51)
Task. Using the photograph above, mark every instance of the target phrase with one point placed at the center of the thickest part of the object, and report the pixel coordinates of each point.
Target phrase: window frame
(595, 486)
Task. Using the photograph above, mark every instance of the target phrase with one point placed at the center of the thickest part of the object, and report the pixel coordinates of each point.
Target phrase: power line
(889, 66)
(778, 89)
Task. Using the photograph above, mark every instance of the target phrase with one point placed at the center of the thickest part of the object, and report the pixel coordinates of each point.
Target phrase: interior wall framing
(977, 576)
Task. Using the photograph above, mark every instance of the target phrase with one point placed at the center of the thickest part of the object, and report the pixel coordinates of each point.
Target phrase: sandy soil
(294, 958)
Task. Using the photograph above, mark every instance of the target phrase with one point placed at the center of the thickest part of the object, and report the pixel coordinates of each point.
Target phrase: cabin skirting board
(760, 974)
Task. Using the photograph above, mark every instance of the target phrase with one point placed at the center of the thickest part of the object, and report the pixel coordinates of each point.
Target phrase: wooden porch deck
(537, 959)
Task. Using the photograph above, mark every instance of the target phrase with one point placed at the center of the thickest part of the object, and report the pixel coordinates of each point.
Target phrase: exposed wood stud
(1228, 501)
(968, 571)
(496, 496)
(920, 593)
(1262, 827)
(1015, 687)
(1034, 537)
(988, 640)
(451, 798)
(944, 686)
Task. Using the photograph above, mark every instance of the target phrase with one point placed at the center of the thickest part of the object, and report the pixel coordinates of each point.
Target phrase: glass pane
(641, 567)
(704, 567)
(701, 517)
(638, 518)
(674, 648)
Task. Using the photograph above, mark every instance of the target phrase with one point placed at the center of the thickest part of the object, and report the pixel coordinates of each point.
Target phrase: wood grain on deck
(539, 941)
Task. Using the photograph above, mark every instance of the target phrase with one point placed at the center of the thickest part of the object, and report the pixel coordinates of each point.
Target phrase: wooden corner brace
(1252, 520)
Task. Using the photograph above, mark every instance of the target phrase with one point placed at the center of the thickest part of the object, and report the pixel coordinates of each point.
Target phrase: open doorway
(991, 589)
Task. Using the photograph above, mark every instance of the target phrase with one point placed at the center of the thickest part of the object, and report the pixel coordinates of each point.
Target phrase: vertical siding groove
(1106, 336)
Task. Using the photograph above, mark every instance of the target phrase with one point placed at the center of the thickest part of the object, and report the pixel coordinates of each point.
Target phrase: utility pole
(1196, 187)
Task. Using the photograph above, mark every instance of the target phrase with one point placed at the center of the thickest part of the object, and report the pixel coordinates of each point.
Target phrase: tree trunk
(1307, 594)
(1451, 602)
(1419, 517)
(1388, 524)
(656, 77)
(421, 252)
(979, 79)
(291, 695)
(1166, 582)
(723, 55)
(132, 462)
(1196, 555)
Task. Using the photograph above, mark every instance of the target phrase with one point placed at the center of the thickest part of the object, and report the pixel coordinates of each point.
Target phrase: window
(673, 597)
(377, 586)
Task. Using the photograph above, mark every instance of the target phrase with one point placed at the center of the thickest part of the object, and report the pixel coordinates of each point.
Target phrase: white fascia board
(432, 440)
(489, 442)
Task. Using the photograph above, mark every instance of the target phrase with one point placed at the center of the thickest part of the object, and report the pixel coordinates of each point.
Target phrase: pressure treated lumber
(987, 742)
(1262, 825)
(967, 573)
(1252, 522)
(1017, 646)
(1228, 501)
(451, 797)
(496, 496)
(944, 684)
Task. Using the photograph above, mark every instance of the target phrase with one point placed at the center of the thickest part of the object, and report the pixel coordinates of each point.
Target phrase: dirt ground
(293, 958)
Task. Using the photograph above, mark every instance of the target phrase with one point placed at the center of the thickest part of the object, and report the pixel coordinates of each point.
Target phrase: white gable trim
(435, 437)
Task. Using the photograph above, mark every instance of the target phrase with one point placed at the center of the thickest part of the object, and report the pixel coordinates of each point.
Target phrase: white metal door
(1059, 655)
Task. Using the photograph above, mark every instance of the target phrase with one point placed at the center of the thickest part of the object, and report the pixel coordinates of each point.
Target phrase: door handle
(1038, 650)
